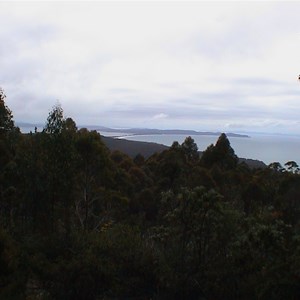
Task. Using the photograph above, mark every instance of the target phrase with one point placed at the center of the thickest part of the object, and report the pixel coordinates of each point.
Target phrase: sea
(264, 147)
(259, 146)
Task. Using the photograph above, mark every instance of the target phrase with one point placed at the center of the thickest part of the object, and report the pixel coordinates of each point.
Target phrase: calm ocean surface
(267, 148)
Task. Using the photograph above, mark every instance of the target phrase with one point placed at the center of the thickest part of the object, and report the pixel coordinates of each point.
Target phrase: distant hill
(132, 148)
(26, 127)
(253, 163)
(147, 131)
(183, 132)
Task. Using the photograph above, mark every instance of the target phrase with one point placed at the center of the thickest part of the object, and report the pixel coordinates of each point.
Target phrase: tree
(69, 125)
(193, 244)
(55, 120)
(170, 168)
(9, 138)
(58, 139)
(221, 154)
(190, 149)
(12, 280)
(252, 196)
(34, 173)
(139, 160)
(6, 117)
(93, 176)
(292, 167)
(276, 167)
(208, 157)
(225, 153)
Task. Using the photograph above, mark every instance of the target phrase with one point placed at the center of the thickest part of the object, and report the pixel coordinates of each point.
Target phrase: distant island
(148, 131)
(26, 127)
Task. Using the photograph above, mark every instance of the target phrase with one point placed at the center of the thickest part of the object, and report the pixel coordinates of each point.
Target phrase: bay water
(265, 147)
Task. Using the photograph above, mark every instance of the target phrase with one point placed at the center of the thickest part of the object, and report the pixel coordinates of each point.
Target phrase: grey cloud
(249, 35)
(257, 81)
(18, 36)
(29, 107)
(122, 91)
(34, 77)
(182, 110)
(235, 44)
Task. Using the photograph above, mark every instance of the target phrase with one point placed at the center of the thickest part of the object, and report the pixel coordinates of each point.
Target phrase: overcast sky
(230, 66)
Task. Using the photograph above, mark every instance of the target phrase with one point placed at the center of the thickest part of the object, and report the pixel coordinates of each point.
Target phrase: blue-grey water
(267, 148)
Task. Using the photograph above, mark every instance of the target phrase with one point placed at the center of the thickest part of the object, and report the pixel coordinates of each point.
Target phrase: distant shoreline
(132, 135)
(186, 133)
(139, 132)
(26, 127)
(146, 131)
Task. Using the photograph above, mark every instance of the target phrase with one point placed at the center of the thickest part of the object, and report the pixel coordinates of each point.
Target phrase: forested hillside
(78, 221)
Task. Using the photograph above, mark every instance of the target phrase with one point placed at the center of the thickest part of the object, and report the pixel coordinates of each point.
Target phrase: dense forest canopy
(78, 221)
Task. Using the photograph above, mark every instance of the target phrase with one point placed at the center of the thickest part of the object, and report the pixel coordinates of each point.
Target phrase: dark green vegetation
(78, 221)
(133, 148)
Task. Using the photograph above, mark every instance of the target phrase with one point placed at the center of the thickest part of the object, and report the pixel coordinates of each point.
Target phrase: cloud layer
(196, 65)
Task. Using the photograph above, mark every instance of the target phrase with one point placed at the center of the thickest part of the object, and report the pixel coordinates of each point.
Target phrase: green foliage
(139, 160)
(196, 226)
(221, 154)
(9, 141)
(190, 149)
(292, 167)
(93, 174)
(276, 167)
(170, 168)
(6, 117)
(55, 120)
(69, 125)
(12, 279)
(79, 222)
(113, 263)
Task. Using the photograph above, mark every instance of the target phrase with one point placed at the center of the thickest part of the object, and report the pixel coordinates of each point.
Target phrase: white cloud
(160, 116)
(203, 64)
